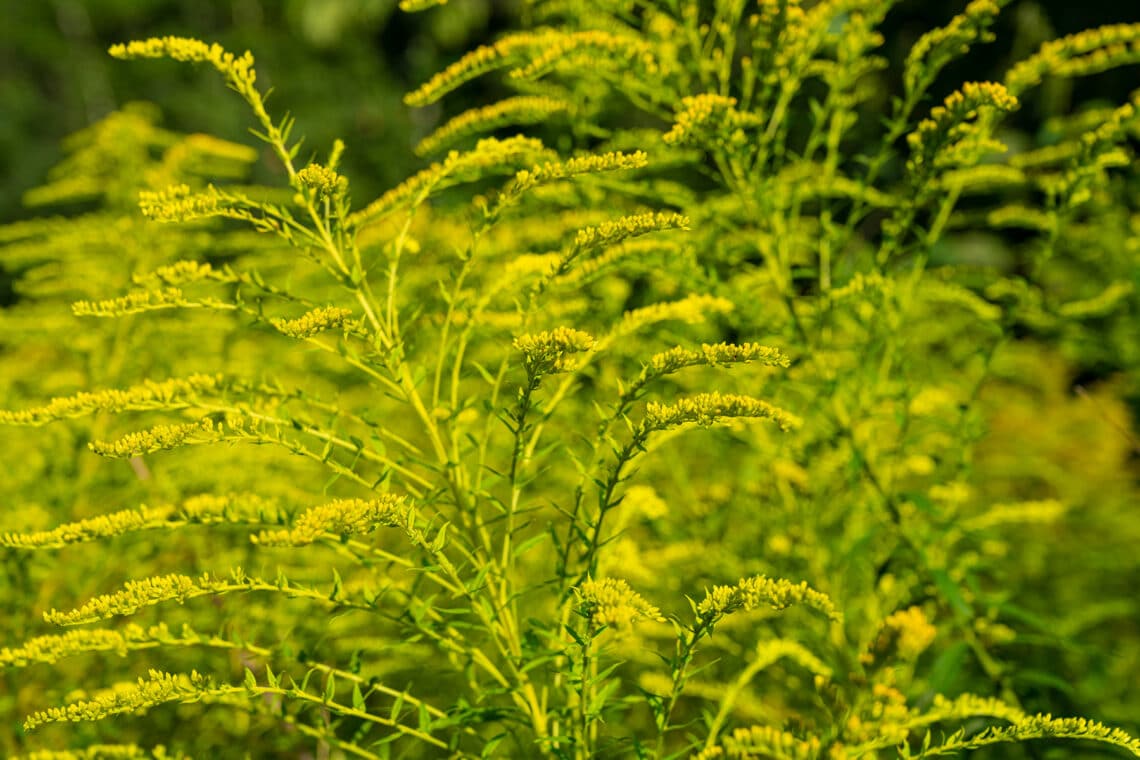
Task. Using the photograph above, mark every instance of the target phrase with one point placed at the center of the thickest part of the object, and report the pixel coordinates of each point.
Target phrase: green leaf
(250, 679)
(602, 695)
(397, 706)
(1044, 678)
(490, 744)
(529, 544)
(947, 669)
(952, 594)
(358, 698)
(330, 688)
(440, 539)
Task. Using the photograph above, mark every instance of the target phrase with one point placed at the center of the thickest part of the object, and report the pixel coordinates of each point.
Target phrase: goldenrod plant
(731, 409)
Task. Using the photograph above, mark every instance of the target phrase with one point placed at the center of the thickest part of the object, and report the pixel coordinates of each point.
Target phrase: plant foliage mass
(710, 394)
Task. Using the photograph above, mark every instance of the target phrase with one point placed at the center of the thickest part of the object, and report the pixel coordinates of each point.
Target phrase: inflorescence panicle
(315, 322)
(183, 273)
(342, 517)
(612, 233)
(205, 509)
(549, 351)
(237, 69)
(505, 52)
(611, 602)
(714, 355)
(938, 47)
(489, 155)
(178, 203)
(106, 752)
(709, 119)
(132, 597)
(706, 409)
(763, 592)
(160, 438)
(148, 395)
(135, 302)
(52, 648)
(945, 129)
(323, 181)
(1080, 54)
(156, 689)
(692, 309)
(592, 47)
(553, 171)
(765, 741)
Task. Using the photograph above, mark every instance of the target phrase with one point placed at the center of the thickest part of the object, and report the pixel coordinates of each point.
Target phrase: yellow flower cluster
(106, 752)
(594, 47)
(314, 322)
(644, 500)
(178, 204)
(633, 250)
(707, 119)
(773, 650)
(611, 602)
(1040, 511)
(131, 598)
(159, 438)
(591, 164)
(718, 354)
(479, 61)
(414, 6)
(156, 689)
(707, 409)
(691, 309)
(182, 272)
(168, 394)
(1087, 52)
(762, 591)
(238, 70)
(55, 647)
(113, 524)
(886, 718)
(343, 517)
(1098, 150)
(58, 646)
(547, 351)
(912, 632)
(980, 179)
(1100, 305)
(1042, 727)
(489, 154)
(202, 510)
(323, 180)
(946, 293)
(765, 741)
(939, 46)
(133, 303)
(1019, 215)
(948, 123)
(611, 233)
(971, 706)
(523, 109)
